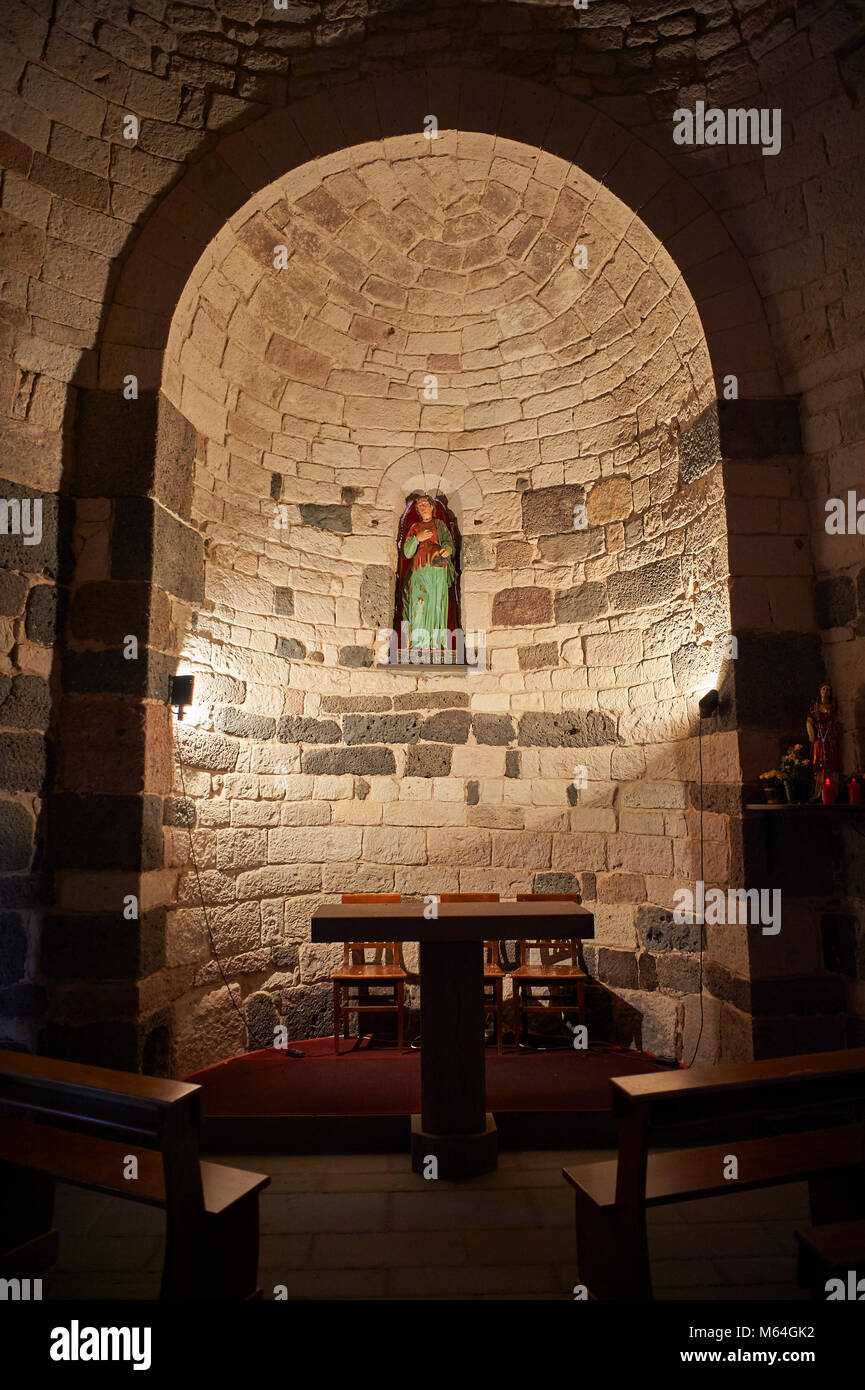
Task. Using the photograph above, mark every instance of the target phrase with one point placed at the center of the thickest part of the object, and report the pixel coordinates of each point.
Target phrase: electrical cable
(701, 925)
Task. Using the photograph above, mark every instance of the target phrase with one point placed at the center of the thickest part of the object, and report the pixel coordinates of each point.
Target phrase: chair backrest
(780, 1087)
(567, 947)
(362, 946)
(468, 897)
(371, 898)
(143, 1111)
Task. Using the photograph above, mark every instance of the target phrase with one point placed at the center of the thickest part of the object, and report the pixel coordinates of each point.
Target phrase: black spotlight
(180, 693)
(708, 704)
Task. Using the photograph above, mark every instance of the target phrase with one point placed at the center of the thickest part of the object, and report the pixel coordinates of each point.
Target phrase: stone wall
(101, 235)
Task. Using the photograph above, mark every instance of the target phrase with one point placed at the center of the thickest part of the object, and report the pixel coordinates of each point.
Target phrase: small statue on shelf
(824, 731)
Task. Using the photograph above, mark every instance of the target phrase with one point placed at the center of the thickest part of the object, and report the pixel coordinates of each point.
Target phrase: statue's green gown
(425, 599)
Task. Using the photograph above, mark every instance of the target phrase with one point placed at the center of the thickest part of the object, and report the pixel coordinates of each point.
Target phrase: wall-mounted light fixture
(180, 693)
(708, 704)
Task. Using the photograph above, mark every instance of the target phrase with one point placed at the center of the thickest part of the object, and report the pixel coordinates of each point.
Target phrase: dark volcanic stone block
(555, 883)
(658, 932)
(22, 762)
(376, 597)
(326, 518)
(308, 1011)
(473, 793)
(46, 610)
(523, 607)
(632, 590)
(110, 673)
(291, 729)
(448, 726)
(262, 1019)
(356, 704)
(678, 972)
(147, 541)
(700, 446)
(27, 705)
(283, 602)
(243, 725)
(353, 762)
(617, 968)
(13, 590)
(103, 419)
(381, 728)
(495, 729)
(434, 699)
(512, 763)
(428, 760)
(17, 829)
(549, 511)
(290, 649)
(354, 657)
(835, 601)
(577, 729)
(582, 603)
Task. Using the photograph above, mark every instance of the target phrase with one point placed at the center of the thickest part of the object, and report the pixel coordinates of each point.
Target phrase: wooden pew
(776, 1099)
(61, 1122)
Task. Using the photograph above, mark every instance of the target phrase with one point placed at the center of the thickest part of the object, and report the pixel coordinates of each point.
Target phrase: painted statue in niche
(427, 617)
(824, 731)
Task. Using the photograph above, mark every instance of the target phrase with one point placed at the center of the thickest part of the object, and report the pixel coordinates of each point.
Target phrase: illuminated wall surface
(269, 272)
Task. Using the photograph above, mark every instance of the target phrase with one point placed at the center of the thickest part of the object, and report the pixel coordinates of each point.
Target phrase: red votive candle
(854, 792)
(828, 792)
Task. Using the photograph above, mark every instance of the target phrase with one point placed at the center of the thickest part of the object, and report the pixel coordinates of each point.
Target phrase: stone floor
(365, 1226)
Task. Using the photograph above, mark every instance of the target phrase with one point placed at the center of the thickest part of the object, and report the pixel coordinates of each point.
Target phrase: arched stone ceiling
(450, 259)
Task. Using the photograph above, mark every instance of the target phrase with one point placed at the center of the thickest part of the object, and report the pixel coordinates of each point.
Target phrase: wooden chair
(527, 976)
(775, 1096)
(494, 976)
(356, 976)
(211, 1211)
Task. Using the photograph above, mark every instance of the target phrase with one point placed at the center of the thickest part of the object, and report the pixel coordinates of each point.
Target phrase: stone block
(298, 729)
(394, 845)
(549, 511)
(27, 705)
(616, 968)
(357, 762)
(759, 429)
(632, 590)
(700, 446)
(105, 832)
(573, 729)
(381, 728)
(428, 760)
(657, 931)
(448, 726)
(497, 729)
(13, 589)
(283, 602)
(22, 762)
(17, 831)
(242, 725)
(582, 604)
(332, 517)
(354, 657)
(538, 656)
(377, 597)
(609, 500)
(290, 649)
(524, 607)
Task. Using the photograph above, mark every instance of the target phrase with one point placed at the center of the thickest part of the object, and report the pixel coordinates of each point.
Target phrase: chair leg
(500, 1015)
(346, 1011)
(400, 997)
(335, 1017)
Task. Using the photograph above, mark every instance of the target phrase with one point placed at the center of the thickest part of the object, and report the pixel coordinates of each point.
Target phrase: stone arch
(152, 504)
